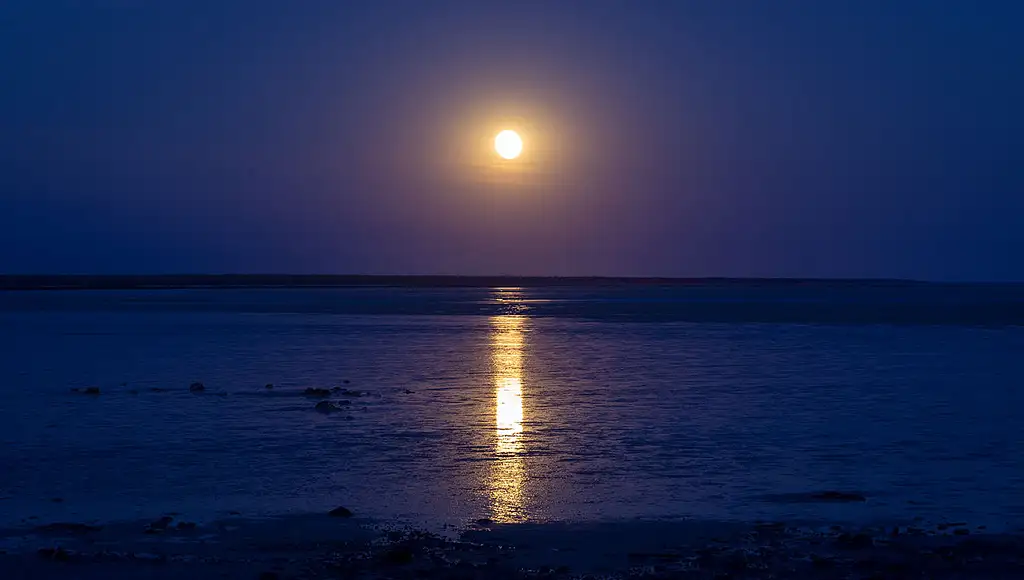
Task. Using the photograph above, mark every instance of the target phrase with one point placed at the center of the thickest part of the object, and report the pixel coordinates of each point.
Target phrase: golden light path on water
(508, 473)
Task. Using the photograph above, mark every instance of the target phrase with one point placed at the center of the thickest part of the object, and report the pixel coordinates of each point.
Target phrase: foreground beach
(321, 546)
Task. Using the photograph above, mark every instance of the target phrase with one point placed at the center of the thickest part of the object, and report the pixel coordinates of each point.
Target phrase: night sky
(860, 138)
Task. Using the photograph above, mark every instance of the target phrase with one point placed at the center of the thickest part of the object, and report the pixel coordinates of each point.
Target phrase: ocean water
(535, 404)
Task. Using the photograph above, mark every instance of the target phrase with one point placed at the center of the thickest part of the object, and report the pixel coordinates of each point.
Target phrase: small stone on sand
(340, 512)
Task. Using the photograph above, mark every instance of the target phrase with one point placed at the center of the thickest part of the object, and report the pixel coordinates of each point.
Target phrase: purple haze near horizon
(702, 138)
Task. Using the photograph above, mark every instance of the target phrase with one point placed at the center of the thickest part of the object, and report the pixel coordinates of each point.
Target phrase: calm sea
(516, 404)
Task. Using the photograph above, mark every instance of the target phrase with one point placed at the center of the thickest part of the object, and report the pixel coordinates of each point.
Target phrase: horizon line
(229, 280)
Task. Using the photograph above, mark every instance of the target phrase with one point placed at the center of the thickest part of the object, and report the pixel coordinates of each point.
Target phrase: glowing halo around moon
(508, 144)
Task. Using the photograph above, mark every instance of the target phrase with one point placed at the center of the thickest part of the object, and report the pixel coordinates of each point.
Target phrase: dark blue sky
(691, 138)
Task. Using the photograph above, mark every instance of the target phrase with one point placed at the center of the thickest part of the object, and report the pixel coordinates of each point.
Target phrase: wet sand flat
(320, 546)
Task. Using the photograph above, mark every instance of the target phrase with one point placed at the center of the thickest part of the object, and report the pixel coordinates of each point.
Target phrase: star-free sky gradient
(876, 138)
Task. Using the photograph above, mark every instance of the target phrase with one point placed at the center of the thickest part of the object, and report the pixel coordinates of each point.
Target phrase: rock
(331, 406)
(484, 522)
(961, 531)
(268, 386)
(340, 512)
(407, 391)
(270, 576)
(346, 381)
(87, 390)
(185, 526)
(157, 390)
(159, 525)
(196, 387)
(57, 500)
(316, 392)
(398, 555)
(837, 496)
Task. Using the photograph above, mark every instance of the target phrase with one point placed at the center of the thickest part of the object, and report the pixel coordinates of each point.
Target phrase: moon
(508, 144)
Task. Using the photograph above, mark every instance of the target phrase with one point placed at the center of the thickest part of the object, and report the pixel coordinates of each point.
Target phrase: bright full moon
(508, 144)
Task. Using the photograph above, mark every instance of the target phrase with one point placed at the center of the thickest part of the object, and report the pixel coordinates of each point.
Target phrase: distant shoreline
(268, 281)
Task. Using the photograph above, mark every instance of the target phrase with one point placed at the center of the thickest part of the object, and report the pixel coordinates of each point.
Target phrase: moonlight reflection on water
(508, 473)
